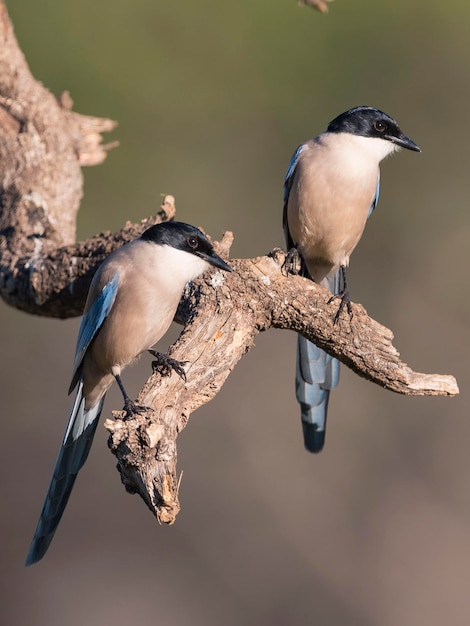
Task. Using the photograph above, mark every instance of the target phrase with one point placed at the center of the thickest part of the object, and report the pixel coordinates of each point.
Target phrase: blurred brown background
(211, 98)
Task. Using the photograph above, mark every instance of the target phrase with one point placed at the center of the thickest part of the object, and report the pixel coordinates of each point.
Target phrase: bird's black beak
(404, 142)
(215, 260)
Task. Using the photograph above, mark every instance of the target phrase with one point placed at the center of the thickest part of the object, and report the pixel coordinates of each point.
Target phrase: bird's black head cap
(369, 122)
(186, 238)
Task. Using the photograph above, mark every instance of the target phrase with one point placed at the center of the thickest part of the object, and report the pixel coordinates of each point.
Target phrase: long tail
(316, 374)
(73, 453)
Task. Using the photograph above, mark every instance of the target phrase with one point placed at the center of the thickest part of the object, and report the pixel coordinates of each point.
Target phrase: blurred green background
(211, 99)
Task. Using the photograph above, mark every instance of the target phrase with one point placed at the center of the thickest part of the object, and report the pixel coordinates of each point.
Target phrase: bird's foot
(292, 263)
(164, 365)
(345, 299)
(131, 408)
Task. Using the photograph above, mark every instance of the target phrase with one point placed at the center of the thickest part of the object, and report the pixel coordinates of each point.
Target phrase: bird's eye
(193, 242)
(379, 126)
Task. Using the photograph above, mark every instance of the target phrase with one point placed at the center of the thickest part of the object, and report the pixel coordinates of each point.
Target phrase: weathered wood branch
(223, 314)
(55, 284)
(43, 145)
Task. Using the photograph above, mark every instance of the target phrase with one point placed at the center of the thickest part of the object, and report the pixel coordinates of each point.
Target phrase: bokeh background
(211, 98)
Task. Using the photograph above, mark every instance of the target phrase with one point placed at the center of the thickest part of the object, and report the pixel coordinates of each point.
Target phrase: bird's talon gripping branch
(345, 301)
(164, 365)
(131, 408)
(292, 262)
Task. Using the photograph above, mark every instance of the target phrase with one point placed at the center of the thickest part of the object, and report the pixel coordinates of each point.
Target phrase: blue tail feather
(316, 374)
(72, 456)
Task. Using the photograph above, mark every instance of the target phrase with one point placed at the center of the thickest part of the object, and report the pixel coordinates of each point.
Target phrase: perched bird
(131, 303)
(331, 188)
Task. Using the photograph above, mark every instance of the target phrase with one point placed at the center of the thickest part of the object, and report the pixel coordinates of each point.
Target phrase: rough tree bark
(44, 271)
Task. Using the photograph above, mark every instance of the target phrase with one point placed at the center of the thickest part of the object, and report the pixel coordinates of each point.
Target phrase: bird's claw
(345, 302)
(292, 263)
(131, 408)
(164, 365)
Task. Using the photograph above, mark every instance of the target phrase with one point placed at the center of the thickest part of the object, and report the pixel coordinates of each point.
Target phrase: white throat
(374, 147)
(180, 267)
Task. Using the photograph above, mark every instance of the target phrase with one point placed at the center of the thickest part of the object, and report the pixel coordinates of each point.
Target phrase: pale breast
(330, 198)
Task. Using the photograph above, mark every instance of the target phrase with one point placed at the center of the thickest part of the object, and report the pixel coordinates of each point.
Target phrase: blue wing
(291, 169)
(287, 187)
(91, 323)
(376, 198)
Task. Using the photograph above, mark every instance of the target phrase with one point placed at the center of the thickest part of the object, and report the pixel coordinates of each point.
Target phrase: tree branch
(223, 314)
(43, 145)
